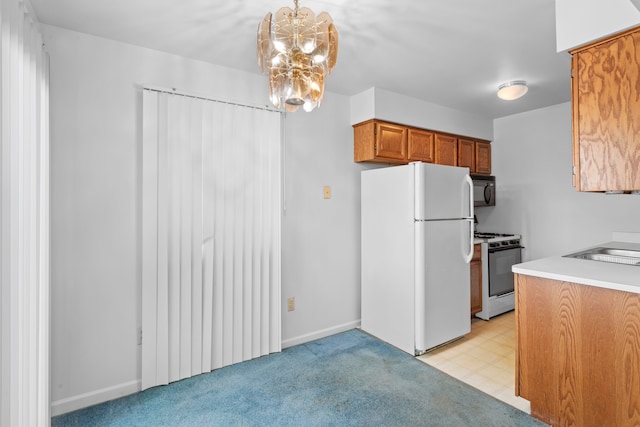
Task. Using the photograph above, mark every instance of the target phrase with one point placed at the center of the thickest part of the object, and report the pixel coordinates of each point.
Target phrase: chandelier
(297, 50)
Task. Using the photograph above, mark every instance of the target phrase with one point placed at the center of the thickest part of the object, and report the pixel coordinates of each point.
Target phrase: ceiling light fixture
(512, 90)
(297, 50)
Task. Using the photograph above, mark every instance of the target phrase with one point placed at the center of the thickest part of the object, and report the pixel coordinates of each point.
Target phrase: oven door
(500, 274)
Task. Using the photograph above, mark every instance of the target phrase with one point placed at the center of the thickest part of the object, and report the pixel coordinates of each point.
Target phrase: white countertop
(593, 273)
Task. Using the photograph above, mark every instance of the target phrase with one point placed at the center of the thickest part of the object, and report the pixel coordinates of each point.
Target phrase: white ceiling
(453, 53)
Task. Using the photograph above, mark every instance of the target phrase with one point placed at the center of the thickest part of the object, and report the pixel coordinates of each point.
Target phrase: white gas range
(499, 253)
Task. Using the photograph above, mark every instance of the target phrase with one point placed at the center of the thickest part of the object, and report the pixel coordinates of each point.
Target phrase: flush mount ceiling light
(512, 90)
(297, 50)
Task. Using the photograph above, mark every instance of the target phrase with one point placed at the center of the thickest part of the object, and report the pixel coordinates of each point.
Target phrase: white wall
(385, 105)
(95, 217)
(321, 237)
(531, 158)
(579, 22)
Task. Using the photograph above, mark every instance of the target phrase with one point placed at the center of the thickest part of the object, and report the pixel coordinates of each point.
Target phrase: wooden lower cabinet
(578, 352)
(476, 280)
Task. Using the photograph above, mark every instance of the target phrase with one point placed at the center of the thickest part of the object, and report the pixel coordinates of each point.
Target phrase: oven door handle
(491, 250)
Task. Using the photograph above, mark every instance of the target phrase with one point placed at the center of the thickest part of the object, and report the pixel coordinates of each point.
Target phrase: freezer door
(442, 282)
(442, 192)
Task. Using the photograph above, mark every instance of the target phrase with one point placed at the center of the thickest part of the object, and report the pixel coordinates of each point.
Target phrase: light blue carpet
(349, 379)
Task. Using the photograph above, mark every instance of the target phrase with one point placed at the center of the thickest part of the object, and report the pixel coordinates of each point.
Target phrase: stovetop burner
(498, 239)
(483, 235)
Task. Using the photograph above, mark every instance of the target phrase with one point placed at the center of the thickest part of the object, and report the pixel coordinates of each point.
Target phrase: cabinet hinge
(375, 146)
(573, 170)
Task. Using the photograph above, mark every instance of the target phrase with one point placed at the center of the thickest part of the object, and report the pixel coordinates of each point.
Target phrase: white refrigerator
(417, 242)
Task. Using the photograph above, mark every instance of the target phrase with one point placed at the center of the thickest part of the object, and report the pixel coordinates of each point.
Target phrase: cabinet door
(475, 268)
(446, 150)
(421, 146)
(363, 141)
(391, 141)
(587, 337)
(467, 154)
(483, 158)
(606, 114)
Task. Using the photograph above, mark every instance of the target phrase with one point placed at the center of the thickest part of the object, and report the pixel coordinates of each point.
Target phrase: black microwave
(484, 190)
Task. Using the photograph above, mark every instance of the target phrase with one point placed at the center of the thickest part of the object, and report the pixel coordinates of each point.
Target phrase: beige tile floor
(484, 359)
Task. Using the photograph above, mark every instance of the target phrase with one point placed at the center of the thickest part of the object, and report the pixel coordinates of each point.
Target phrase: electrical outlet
(291, 303)
(327, 191)
(139, 336)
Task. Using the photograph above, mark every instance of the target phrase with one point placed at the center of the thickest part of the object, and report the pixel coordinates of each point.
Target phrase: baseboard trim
(85, 400)
(81, 401)
(301, 339)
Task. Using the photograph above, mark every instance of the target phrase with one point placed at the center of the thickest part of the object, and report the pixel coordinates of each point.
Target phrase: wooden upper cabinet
(421, 146)
(391, 141)
(446, 150)
(483, 157)
(378, 141)
(467, 154)
(606, 114)
(475, 155)
(381, 142)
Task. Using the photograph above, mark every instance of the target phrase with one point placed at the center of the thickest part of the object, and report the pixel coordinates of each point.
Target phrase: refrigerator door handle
(471, 203)
(469, 256)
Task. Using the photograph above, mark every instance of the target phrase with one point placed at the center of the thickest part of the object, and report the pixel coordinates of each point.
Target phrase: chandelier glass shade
(297, 50)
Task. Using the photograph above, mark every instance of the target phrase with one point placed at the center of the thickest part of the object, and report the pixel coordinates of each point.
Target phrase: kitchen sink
(605, 254)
